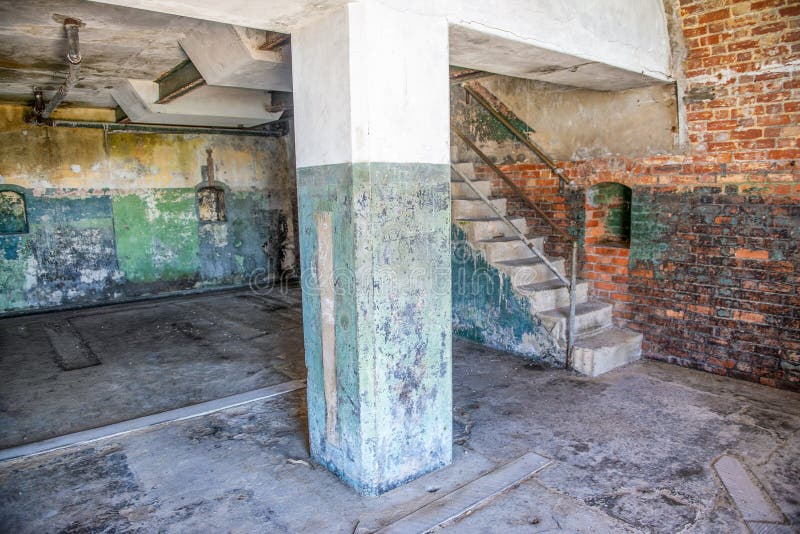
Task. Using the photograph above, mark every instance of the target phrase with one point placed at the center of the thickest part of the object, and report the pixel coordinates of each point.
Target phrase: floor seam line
(148, 421)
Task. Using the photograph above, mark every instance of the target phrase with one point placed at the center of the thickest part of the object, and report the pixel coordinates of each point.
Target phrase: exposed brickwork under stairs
(599, 345)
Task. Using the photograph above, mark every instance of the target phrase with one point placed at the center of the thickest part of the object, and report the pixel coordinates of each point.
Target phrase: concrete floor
(154, 356)
(631, 450)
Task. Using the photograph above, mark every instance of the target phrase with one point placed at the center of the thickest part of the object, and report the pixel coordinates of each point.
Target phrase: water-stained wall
(487, 310)
(114, 215)
(567, 122)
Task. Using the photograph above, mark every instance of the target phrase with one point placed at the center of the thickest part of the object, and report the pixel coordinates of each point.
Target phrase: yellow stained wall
(113, 213)
(37, 157)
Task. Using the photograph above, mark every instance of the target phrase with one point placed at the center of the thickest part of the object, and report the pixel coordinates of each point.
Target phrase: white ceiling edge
(226, 56)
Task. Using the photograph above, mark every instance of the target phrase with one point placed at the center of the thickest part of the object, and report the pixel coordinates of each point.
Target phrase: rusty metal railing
(572, 283)
(536, 149)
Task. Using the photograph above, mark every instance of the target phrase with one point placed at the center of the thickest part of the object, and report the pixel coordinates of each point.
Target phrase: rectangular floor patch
(480, 491)
(750, 499)
(72, 352)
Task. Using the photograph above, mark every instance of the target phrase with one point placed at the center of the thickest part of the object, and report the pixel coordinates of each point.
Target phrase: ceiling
(119, 43)
(116, 43)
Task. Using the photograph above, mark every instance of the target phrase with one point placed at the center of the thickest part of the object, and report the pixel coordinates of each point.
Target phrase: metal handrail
(536, 149)
(530, 203)
(572, 284)
(522, 237)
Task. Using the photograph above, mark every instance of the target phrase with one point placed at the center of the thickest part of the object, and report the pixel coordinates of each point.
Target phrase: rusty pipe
(71, 26)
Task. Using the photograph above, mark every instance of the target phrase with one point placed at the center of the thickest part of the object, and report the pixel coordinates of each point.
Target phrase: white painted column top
(371, 84)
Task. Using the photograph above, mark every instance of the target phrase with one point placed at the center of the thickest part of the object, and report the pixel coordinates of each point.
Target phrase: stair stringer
(487, 309)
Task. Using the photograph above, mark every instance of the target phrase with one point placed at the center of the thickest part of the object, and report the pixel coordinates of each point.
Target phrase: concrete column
(372, 141)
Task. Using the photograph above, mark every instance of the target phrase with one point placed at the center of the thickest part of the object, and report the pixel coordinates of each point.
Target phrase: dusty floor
(154, 356)
(632, 453)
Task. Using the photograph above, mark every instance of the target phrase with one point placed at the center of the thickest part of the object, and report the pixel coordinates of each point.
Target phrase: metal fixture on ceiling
(275, 40)
(71, 27)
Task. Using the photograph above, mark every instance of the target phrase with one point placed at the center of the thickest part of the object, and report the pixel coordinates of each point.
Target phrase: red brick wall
(714, 260)
(564, 209)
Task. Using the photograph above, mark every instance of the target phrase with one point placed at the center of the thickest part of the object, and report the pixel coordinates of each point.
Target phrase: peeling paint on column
(488, 311)
(393, 326)
(328, 315)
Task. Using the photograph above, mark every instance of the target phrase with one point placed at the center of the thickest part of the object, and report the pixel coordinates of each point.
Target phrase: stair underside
(599, 345)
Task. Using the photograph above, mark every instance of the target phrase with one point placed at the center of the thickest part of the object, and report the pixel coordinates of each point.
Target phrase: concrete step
(479, 228)
(508, 248)
(605, 350)
(552, 294)
(462, 190)
(590, 317)
(467, 169)
(470, 207)
(528, 271)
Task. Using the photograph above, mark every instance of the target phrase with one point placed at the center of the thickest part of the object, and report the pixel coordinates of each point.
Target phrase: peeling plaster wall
(113, 215)
(486, 309)
(572, 123)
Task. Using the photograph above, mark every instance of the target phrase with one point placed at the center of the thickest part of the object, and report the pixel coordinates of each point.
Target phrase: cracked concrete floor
(155, 356)
(632, 452)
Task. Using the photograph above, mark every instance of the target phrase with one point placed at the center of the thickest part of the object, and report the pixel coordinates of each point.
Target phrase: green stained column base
(375, 257)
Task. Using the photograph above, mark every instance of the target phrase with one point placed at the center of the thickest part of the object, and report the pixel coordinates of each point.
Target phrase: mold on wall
(13, 213)
(115, 215)
(570, 123)
(486, 309)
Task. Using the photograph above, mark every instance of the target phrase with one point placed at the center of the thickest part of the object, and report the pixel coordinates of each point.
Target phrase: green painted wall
(112, 216)
(157, 235)
(486, 309)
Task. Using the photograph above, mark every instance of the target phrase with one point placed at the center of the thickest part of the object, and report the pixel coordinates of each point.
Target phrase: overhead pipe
(74, 59)
(273, 129)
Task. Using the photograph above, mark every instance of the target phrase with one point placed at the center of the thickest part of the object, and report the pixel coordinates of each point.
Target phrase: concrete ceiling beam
(594, 44)
(205, 106)
(229, 56)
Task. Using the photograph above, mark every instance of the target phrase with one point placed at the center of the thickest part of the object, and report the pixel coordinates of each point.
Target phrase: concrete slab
(757, 527)
(469, 497)
(751, 501)
(71, 350)
(140, 423)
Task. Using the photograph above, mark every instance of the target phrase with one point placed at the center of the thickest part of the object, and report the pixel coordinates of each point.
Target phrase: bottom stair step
(610, 348)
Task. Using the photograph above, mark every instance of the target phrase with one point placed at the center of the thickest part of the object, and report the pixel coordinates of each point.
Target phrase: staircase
(599, 346)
